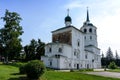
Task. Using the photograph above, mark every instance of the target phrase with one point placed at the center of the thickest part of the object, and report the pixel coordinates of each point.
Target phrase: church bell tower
(90, 32)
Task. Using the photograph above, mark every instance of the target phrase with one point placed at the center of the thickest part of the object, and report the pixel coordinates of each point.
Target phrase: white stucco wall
(72, 56)
(88, 34)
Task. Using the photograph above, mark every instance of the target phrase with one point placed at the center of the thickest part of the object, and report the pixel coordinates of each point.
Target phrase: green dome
(68, 18)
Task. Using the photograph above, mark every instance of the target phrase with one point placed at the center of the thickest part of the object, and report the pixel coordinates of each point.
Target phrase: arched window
(74, 65)
(90, 30)
(75, 52)
(50, 63)
(86, 56)
(60, 50)
(85, 30)
(85, 37)
(95, 31)
(90, 37)
(78, 42)
(50, 50)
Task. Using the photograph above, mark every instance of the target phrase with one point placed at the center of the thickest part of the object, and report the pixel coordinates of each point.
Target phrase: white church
(73, 48)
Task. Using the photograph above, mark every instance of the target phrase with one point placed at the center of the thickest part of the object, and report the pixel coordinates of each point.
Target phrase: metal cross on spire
(68, 12)
(87, 15)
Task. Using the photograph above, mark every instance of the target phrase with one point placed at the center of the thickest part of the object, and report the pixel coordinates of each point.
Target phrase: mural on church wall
(64, 37)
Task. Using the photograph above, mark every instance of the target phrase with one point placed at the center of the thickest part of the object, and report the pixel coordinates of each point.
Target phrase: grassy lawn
(8, 72)
(114, 70)
(72, 76)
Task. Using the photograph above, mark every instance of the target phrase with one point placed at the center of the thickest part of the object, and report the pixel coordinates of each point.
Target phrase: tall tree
(34, 50)
(116, 55)
(103, 60)
(109, 54)
(30, 50)
(40, 49)
(10, 35)
(102, 55)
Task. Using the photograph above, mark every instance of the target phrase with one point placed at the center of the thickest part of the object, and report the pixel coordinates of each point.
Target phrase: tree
(30, 50)
(103, 60)
(117, 60)
(112, 65)
(116, 56)
(34, 50)
(10, 40)
(109, 55)
(40, 49)
(102, 55)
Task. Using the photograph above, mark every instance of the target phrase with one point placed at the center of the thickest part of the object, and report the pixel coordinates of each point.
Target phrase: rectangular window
(69, 64)
(50, 49)
(81, 65)
(50, 63)
(86, 56)
(74, 65)
(60, 50)
(75, 52)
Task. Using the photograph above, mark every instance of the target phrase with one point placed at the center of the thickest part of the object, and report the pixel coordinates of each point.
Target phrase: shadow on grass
(20, 78)
(16, 74)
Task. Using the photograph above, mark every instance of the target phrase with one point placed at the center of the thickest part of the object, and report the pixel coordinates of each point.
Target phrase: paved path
(106, 74)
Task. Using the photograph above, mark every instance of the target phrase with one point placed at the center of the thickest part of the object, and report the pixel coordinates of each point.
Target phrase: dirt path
(106, 74)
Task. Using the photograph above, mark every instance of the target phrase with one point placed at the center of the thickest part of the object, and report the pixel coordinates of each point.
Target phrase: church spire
(87, 20)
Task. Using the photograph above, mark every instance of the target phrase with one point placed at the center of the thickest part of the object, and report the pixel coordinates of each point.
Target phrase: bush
(71, 70)
(16, 64)
(112, 65)
(22, 69)
(34, 69)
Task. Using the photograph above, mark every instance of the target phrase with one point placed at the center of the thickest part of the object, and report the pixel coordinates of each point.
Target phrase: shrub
(71, 70)
(34, 69)
(22, 69)
(112, 65)
(16, 64)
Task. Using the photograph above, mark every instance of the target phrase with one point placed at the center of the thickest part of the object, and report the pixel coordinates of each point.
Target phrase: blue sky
(40, 17)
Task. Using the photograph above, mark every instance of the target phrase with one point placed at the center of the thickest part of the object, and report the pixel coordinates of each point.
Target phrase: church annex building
(73, 48)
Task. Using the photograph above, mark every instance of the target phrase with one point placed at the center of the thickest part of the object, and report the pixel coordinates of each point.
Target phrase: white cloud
(73, 4)
(109, 30)
(105, 15)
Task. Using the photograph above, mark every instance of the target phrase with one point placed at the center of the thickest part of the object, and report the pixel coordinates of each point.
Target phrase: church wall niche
(64, 37)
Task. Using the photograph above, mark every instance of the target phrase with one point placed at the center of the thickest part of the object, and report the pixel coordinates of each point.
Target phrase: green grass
(114, 70)
(8, 72)
(72, 76)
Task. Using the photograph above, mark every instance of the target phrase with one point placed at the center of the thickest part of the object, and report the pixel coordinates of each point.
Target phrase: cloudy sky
(40, 17)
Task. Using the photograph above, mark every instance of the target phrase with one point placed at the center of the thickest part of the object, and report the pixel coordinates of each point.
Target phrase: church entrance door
(77, 66)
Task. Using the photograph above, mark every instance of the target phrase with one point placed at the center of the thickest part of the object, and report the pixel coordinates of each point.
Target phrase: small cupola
(68, 19)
